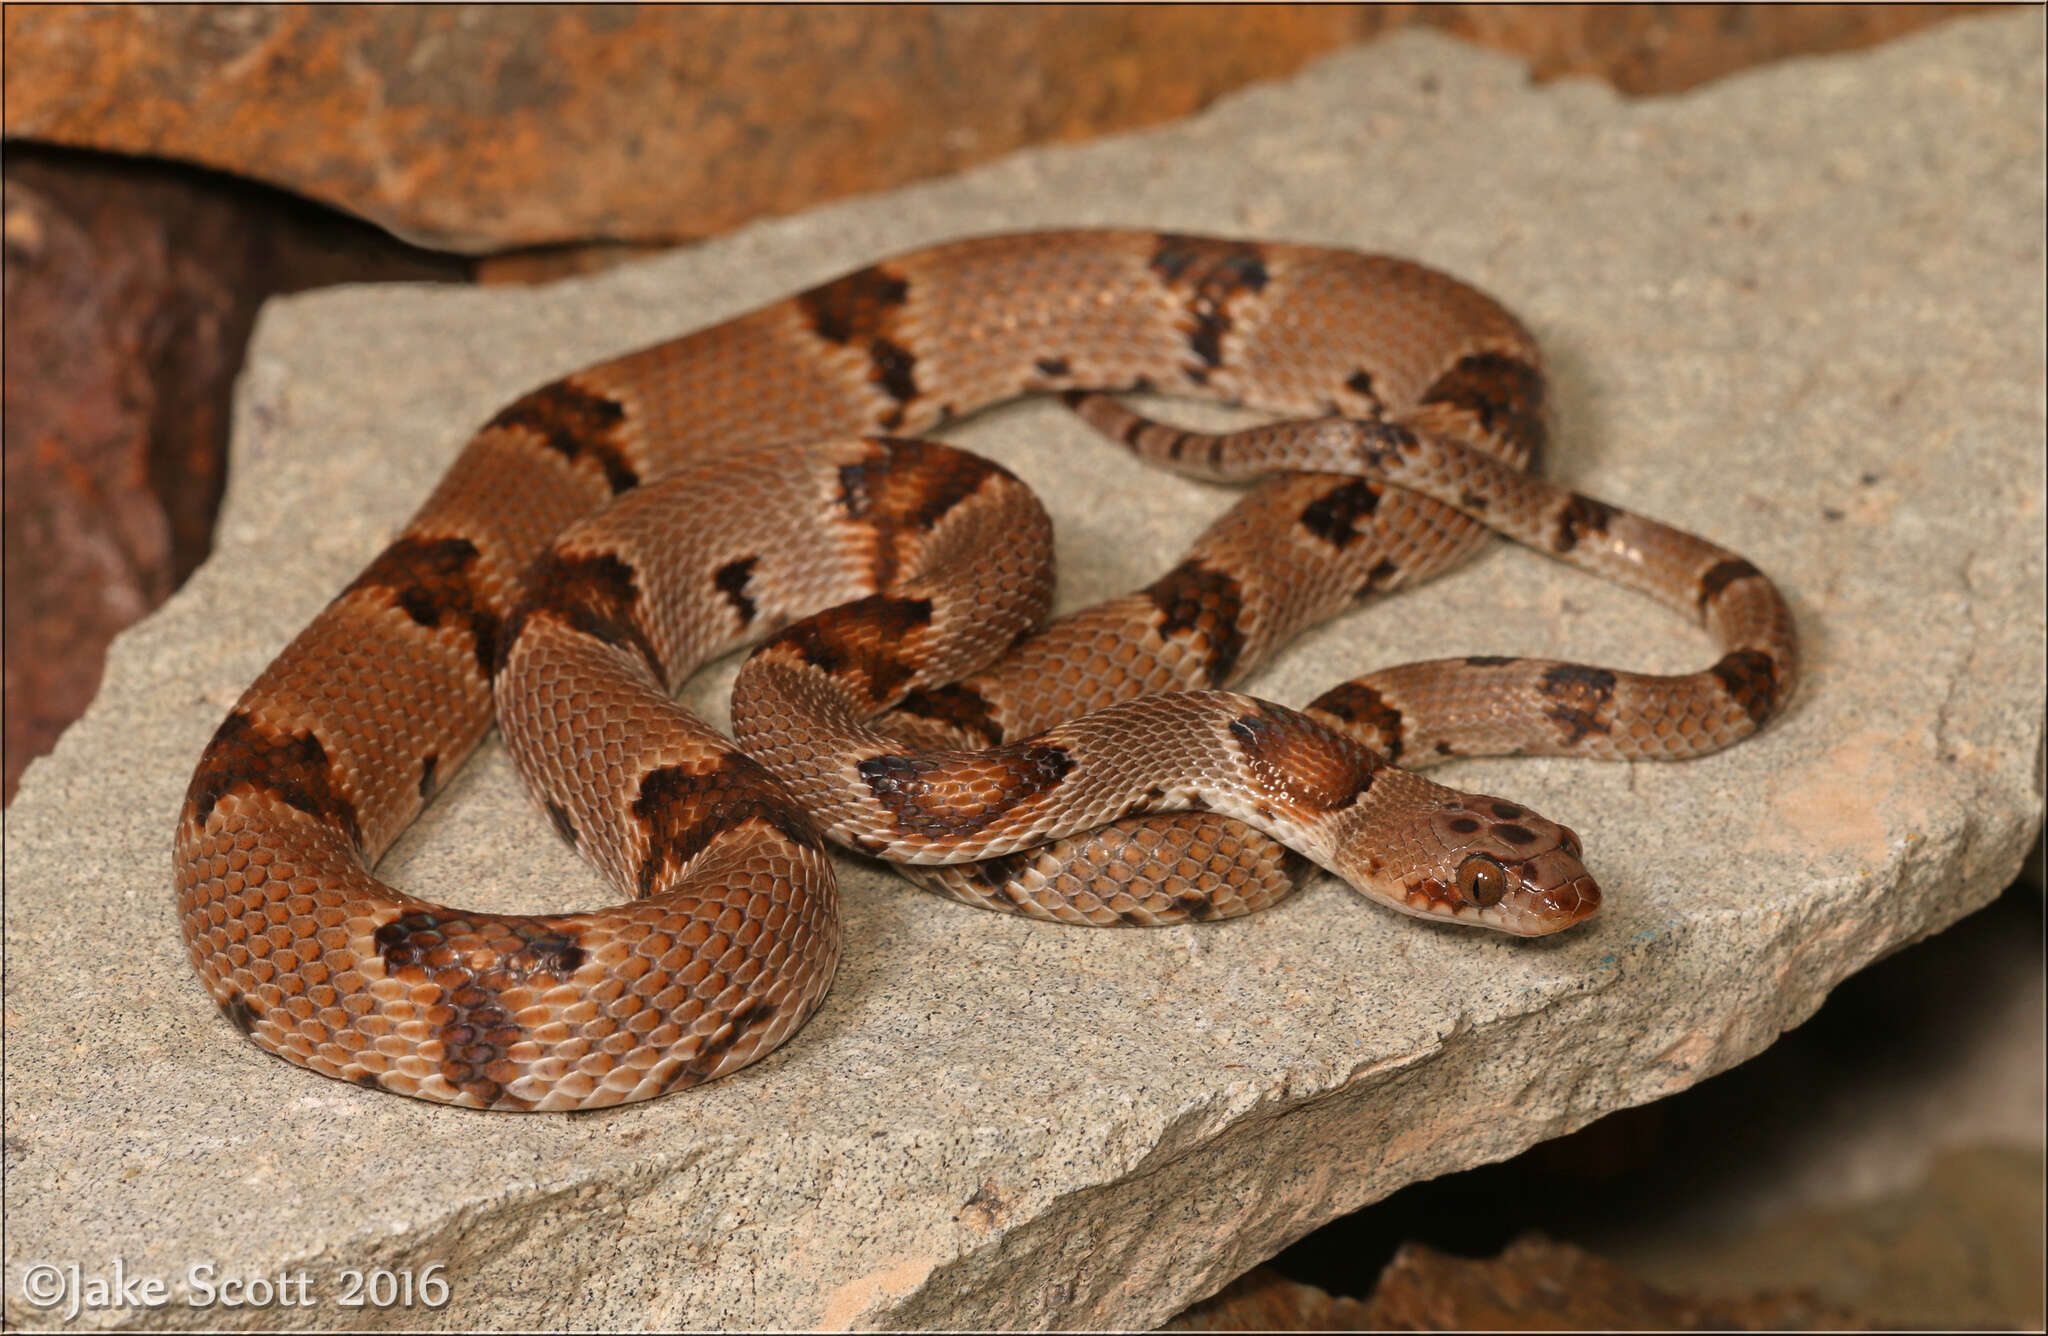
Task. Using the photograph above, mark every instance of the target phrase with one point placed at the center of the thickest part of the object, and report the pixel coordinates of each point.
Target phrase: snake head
(1467, 858)
(1499, 865)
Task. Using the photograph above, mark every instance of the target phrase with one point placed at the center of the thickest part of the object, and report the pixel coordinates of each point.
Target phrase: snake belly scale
(760, 481)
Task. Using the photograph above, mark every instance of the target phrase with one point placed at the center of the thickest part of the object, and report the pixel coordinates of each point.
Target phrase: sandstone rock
(477, 127)
(92, 521)
(1797, 311)
(1647, 49)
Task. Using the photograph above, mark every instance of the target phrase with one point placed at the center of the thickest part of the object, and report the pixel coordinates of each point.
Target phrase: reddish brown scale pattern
(961, 709)
(434, 581)
(478, 1031)
(1336, 517)
(902, 489)
(291, 767)
(1750, 677)
(1143, 872)
(282, 919)
(860, 311)
(938, 797)
(1206, 606)
(1211, 276)
(1503, 395)
(874, 640)
(577, 423)
(731, 580)
(1723, 574)
(1582, 515)
(1581, 700)
(1299, 760)
(596, 595)
(684, 809)
(1366, 711)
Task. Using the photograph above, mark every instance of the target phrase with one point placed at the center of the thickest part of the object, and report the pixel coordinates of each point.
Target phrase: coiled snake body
(1100, 773)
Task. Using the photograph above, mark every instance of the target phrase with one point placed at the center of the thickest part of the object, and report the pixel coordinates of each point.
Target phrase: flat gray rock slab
(1798, 311)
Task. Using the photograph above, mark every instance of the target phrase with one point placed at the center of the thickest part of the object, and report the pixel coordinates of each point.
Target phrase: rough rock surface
(1798, 311)
(125, 332)
(478, 127)
(131, 289)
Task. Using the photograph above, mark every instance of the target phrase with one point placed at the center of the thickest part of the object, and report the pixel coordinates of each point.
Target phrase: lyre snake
(1100, 773)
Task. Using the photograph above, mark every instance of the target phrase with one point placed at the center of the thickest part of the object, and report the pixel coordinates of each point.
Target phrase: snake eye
(1569, 838)
(1482, 881)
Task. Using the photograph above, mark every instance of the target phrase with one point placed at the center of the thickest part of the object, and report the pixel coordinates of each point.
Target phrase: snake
(765, 481)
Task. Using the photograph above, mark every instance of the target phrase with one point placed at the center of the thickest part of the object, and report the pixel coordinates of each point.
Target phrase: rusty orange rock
(483, 127)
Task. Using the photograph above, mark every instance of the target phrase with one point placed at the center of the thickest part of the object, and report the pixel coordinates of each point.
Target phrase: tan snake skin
(1415, 400)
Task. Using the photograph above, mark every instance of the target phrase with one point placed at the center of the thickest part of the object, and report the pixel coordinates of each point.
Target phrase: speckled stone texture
(1798, 311)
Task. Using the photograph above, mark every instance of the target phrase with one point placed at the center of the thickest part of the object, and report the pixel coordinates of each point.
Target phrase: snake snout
(1570, 903)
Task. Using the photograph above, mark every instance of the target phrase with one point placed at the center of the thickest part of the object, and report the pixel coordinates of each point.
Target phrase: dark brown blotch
(435, 581)
(576, 423)
(870, 640)
(1334, 516)
(1503, 394)
(1490, 660)
(1751, 679)
(859, 311)
(1581, 700)
(998, 875)
(1377, 578)
(1514, 834)
(895, 370)
(1720, 576)
(596, 596)
(910, 484)
(731, 580)
(240, 1014)
(1293, 756)
(1053, 366)
(564, 826)
(290, 767)
(1358, 704)
(1211, 273)
(856, 306)
(428, 764)
(683, 810)
(549, 953)
(1359, 383)
(473, 959)
(749, 1016)
(959, 707)
(1195, 600)
(1581, 515)
(939, 797)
